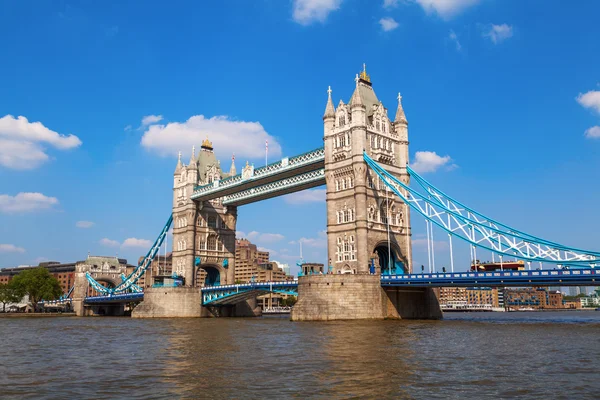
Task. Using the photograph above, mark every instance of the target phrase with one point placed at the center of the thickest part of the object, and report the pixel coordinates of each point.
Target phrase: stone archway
(346, 269)
(389, 259)
(210, 275)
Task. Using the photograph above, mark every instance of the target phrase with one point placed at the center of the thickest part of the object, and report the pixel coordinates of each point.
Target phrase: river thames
(478, 355)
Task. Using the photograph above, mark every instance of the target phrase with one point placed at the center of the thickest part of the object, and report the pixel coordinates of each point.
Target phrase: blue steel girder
(552, 277)
(115, 298)
(254, 177)
(231, 294)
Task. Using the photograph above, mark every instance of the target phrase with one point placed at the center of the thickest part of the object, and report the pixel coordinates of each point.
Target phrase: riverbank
(35, 315)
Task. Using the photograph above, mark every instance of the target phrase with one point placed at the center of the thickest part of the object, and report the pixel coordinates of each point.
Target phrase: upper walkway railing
(258, 176)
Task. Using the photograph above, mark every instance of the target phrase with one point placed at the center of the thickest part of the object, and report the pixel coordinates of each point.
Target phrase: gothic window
(384, 213)
(210, 179)
(212, 242)
(341, 120)
(383, 126)
(201, 243)
(339, 240)
(212, 221)
(347, 139)
(343, 184)
(377, 125)
(199, 220)
(372, 141)
(370, 182)
(350, 183)
(351, 238)
(338, 217)
(348, 216)
(337, 185)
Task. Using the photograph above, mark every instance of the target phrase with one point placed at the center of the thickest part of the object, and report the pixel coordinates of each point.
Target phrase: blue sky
(502, 99)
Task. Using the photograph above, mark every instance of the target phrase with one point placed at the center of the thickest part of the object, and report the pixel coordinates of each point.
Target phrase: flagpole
(266, 152)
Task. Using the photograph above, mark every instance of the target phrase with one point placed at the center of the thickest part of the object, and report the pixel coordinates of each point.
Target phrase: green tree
(38, 284)
(8, 294)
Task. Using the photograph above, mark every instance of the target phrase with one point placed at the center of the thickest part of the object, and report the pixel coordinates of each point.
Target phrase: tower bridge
(364, 167)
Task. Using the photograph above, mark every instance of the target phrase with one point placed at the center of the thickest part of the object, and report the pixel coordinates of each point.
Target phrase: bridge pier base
(347, 297)
(169, 302)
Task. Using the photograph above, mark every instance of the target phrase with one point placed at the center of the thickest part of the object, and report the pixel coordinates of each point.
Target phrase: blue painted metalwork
(231, 294)
(478, 230)
(552, 277)
(139, 271)
(226, 263)
(115, 298)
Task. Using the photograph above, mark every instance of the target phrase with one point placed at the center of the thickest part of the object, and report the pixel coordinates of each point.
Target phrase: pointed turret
(400, 116)
(356, 100)
(232, 170)
(329, 109)
(193, 157)
(179, 165)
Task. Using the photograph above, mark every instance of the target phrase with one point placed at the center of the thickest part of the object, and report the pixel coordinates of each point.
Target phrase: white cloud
(264, 237)
(26, 202)
(306, 12)
(590, 99)
(21, 142)
(446, 8)
(11, 248)
(593, 132)
(245, 139)
(390, 3)
(151, 119)
(319, 242)
(388, 24)
(239, 235)
(84, 224)
(109, 242)
(127, 128)
(454, 38)
(429, 161)
(306, 196)
(499, 33)
(134, 242)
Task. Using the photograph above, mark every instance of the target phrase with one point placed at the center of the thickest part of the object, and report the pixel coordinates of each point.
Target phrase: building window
(212, 221)
(337, 185)
(201, 243)
(350, 182)
(212, 242)
(343, 184)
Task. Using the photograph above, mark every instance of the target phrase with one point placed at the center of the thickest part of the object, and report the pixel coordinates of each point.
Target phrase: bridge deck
(230, 294)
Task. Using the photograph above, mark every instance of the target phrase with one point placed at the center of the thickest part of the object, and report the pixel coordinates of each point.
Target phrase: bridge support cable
(141, 268)
(478, 230)
(479, 218)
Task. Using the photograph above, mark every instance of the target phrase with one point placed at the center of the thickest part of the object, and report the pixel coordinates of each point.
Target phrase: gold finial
(206, 144)
(364, 76)
(246, 163)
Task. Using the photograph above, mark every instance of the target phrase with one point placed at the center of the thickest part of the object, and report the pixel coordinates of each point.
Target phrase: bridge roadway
(230, 294)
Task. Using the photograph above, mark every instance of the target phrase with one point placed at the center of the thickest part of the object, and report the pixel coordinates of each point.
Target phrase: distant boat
(277, 310)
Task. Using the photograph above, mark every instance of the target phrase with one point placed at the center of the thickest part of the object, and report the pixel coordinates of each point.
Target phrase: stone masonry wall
(169, 302)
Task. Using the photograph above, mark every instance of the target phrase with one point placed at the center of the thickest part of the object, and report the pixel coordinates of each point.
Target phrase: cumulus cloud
(26, 202)
(429, 161)
(305, 12)
(135, 242)
(454, 38)
(109, 242)
(245, 139)
(306, 196)
(84, 224)
(590, 100)
(446, 8)
(264, 237)
(11, 248)
(319, 242)
(593, 132)
(22, 142)
(239, 235)
(388, 24)
(498, 33)
(151, 119)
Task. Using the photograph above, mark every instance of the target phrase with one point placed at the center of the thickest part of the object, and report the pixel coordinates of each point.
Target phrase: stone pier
(347, 297)
(171, 302)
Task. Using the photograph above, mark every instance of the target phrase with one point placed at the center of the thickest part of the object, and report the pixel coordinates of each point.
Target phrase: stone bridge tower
(203, 232)
(361, 214)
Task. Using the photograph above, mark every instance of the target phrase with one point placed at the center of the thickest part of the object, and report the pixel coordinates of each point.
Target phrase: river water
(467, 355)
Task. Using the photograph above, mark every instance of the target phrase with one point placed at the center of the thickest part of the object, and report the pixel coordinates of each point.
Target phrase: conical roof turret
(356, 99)
(329, 108)
(179, 164)
(232, 170)
(400, 116)
(193, 161)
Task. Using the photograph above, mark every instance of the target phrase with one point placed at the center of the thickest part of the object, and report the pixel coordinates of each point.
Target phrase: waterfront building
(64, 273)
(482, 296)
(247, 261)
(450, 295)
(535, 298)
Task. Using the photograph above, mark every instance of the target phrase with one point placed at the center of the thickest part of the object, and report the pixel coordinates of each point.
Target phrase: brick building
(536, 298)
(161, 265)
(247, 261)
(64, 273)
